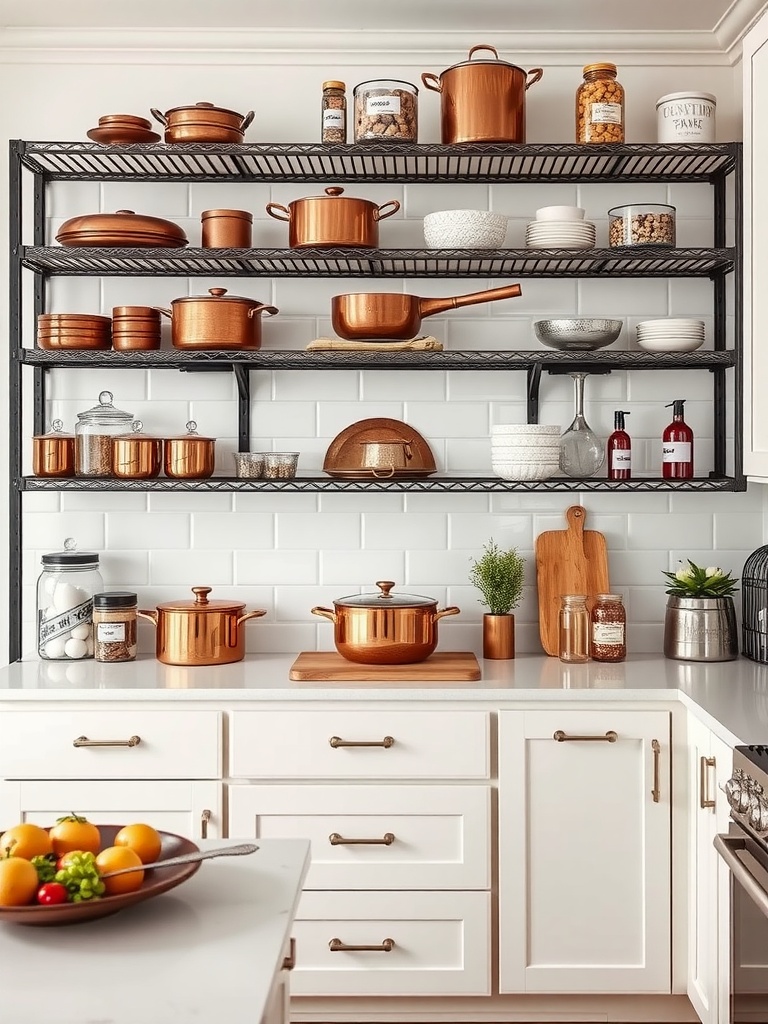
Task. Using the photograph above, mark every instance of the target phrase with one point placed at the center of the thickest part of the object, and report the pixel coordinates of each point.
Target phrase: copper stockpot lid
(56, 433)
(191, 434)
(201, 111)
(219, 295)
(201, 603)
(121, 228)
(385, 599)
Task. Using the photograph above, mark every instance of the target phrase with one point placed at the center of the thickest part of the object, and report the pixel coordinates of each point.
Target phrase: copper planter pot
(333, 220)
(498, 637)
(200, 632)
(203, 122)
(216, 321)
(482, 100)
(385, 628)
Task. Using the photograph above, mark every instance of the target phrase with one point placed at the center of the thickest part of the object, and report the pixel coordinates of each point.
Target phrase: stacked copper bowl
(73, 331)
(135, 327)
(123, 128)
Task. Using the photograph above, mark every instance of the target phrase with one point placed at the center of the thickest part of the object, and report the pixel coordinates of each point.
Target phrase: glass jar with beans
(600, 105)
(386, 110)
(94, 431)
(648, 224)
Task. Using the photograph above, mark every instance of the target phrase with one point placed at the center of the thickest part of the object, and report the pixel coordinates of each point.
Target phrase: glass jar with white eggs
(65, 590)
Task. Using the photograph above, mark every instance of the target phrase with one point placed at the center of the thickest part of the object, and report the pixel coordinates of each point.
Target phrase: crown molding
(735, 23)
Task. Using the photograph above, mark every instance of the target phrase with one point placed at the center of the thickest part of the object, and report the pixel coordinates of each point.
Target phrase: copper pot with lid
(482, 100)
(216, 321)
(333, 219)
(123, 228)
(203, 122)
(136, 456)
(200, 632)
(385, 628)
(190, 456)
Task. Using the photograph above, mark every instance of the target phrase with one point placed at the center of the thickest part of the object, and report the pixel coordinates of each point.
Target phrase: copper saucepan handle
(442, 612)
(533, 77)
(262, 308)
(428, 307)
(326, 613)
(146, 613)
(246, 120)
(255, 614)
(431, 81)
(159, 116)
(381, 212)
(164, 311)
(272, 207)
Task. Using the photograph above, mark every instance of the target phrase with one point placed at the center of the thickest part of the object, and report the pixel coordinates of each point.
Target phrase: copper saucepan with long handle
(385, 316)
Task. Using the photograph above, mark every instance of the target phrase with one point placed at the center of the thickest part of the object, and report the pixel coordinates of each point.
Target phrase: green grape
(45, 866)
(81, 878)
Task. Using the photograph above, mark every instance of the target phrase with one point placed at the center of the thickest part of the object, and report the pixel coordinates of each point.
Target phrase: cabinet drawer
(172, 745)
(310, 744)
(437, 837)
(441, 944)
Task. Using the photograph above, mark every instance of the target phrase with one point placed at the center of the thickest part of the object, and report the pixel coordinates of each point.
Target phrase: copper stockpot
(226, 229)
(136, 456)
(333, 219)
(200, 632)
(482, 100)
(189, 457)
(385, 628)
(53, 454)
(381, 316)
(203, 122)
(216, 321)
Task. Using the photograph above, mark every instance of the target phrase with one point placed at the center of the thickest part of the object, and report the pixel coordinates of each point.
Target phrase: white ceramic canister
(686, 117)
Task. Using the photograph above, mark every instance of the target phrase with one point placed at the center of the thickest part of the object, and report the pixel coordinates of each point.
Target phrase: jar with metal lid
(53, 454)
(94, 431)
(333, 109)
(573, 628)
(608, 628)
(114, 625)
(600, 105)
(65, 590)
(386, 110)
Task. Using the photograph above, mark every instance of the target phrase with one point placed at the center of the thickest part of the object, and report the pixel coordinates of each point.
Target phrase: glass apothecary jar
(600, 105)
(608, 635)
(94, 431)
(65, 590)
(573, 628)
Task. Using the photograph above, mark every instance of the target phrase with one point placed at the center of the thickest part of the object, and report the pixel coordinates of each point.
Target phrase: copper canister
(135, 327)
(226, 229)
(53, 454)
(189, 457)
(136, 456)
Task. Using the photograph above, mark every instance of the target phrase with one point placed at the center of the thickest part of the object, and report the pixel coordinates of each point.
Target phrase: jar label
(608, 633)
(58, 623)
(605, 113)
(621, 458)
(110, 632)
(333, 118)
(382, 105)
(676, 451)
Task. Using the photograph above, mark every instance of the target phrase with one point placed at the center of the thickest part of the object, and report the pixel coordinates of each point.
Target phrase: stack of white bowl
(671, 334)
(525, 451)
(560, 227)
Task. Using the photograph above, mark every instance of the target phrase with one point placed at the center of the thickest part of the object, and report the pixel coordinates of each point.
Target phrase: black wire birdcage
(754, 606)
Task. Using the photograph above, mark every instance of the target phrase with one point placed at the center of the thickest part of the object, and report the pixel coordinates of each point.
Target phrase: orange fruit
(26, 841)
(112, 859)
(142, 839)
(18, 882)
(74, 833)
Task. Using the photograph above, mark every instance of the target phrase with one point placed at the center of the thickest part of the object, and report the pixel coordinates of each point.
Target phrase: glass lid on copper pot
(105, 412)
(191, 434)
(385, 599)
(56, 432)
(202, 604)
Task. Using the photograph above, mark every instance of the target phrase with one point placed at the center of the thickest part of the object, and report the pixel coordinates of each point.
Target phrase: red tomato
(52, 893)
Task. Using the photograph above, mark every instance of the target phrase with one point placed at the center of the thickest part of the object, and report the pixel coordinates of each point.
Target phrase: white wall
(289, 552)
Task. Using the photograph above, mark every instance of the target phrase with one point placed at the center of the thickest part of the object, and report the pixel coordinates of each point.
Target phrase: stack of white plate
(525, 451)
(670, 334)
(560, 234)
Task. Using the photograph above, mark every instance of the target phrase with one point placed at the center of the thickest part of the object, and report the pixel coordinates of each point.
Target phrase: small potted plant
(498, 575)
(700, 619)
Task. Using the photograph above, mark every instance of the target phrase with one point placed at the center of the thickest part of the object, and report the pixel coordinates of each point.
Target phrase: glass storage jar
(573, 628)
(65, 590)
(600, 105)
(386, 110)
(641, 224)
(114, 625)
(94, 431)
(608, 628)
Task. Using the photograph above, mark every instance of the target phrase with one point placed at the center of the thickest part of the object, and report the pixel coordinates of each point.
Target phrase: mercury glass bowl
(573, 335)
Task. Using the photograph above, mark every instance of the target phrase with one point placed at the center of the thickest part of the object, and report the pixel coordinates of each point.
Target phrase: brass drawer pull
(205, 817)
(83, 741)
(562, 737)
(656, 791)
(337, 946)
(704, 798)
(289, 962)
(337, 741)
(386, 840)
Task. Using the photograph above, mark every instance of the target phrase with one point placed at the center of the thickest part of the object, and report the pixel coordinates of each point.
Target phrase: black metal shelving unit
(45, 162)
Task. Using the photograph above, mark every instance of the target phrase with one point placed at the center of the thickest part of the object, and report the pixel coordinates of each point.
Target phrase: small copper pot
(385, 628)
(53, 454)
(216, 321)
(203, 122)
(189, 457)
(200, 632)
(136, 456)
(226, 229)
(333, 219)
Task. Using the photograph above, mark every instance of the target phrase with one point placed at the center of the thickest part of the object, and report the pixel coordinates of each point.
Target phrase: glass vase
(582, 452)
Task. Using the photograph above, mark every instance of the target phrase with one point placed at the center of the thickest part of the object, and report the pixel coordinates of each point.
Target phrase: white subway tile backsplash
(166, 199)
(165, 385)
(143, 291)
(381, 385)
(330, 385)
(124, 570)
(472, 532)
(352, 571)
(48, 530)
(272, 567)
(652, 532)
(333, 417)
(641, 568)
(224, 195)
(737, 529)
(273, 638)
(201, 501)
(153, 531)
(476, 335)
(604, 297)
(233, 531)
(438, 568)
(398, 532)
(107, 501)
(320, 533)
(468, 457)
(423, 199)
(522, 201)
(279, 501)
(442, 419)
(85, 386)
(197, 568)
(41, 501)
(72, 198)
(362, 502)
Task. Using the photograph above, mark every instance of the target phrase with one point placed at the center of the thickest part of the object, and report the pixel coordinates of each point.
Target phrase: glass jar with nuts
(651, 224)
(386, 110)
(600, 105)
(334, 112)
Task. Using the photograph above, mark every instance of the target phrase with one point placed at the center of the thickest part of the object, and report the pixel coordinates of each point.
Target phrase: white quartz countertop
(208, 950)
(731, 695)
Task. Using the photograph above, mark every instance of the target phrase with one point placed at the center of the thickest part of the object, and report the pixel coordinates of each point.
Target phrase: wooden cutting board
(571, 561)
(451, 666)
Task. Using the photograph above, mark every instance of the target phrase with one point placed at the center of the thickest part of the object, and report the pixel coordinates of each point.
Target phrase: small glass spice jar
(65, 590)
(600, 105)
(334, 112)
(573, 628)
(608, 628)
(114, 625)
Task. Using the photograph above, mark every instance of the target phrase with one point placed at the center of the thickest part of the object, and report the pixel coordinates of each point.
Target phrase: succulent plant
(498, 575)
(696, 581)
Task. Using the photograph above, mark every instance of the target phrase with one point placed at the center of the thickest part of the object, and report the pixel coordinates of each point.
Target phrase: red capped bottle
(677, 445)
(619, 449)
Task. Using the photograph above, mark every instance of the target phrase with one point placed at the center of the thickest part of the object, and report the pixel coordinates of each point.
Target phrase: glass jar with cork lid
(600, 105)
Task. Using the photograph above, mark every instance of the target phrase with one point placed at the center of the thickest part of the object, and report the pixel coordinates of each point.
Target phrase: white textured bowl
(526, 428)
(525, 471)
(526, 442)
(526, 453)
(465, 229)
(572, 213)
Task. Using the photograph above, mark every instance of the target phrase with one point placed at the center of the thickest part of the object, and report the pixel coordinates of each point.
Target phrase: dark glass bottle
(619, 449)
(677, 445)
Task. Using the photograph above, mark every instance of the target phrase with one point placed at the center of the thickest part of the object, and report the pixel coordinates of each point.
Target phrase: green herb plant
(499, 576)
(696, 581)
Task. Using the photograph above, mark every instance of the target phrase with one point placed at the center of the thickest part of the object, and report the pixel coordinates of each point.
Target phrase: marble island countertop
(730, 696)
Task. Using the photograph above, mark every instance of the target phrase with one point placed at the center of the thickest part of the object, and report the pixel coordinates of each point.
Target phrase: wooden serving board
(572, 561)
(450, 666)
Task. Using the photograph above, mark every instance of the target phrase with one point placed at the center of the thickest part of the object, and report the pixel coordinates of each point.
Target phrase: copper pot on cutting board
(385, 628)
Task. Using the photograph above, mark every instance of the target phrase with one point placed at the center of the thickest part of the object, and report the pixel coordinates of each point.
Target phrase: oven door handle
(727, 847)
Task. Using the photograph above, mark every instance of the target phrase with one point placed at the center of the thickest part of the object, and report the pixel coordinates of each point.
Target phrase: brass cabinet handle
(337, 741)
(704, 798)
(337, 946)
(83, 741)
(656, 791)
(289, 962)
(562, 737)
(205, 817)
(336, 840)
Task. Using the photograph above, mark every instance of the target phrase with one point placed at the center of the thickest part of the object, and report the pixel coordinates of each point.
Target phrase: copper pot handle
(146, 613)
(380, 214)
(442, 612)
(431, 81)
(271, 207)
(536, 73)
(255, 614)
(262, 308)
(326, 613)
(164, 311)
(383, 474)
(483, 46)
(428, 307)
(246, 121)
(159, 116)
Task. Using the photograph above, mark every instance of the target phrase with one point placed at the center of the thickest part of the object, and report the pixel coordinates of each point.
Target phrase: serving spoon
(188, 858)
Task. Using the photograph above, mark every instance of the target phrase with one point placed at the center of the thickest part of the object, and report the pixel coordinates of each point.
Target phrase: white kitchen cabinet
(584, 851)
